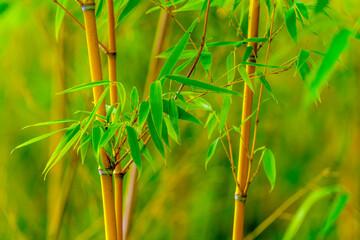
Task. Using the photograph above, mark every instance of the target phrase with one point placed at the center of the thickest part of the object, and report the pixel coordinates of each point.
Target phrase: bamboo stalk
(240, 195)
(96, 75)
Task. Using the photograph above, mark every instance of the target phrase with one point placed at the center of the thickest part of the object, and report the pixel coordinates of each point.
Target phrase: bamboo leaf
(186, 54)
(201, 85)
(50, 123)
(99, 9)
(59, 17)
(301, 65)
(95, 141)
(37, 139)
(130, 5)
(174, 117)
(245, 77)
(134, 147)
(337, 45)
(224, 112)
(205, 60)
(320, 5)
(185, 64)
(211, 124)
(230, 67)
(221, 43)
(267, 85)
(134, 96)
(290, 22)
(211, 151)
(171, 130)
(84, 147)
(269, 167)
(109, 112)
(253, 40)
(173, 58)
(121, 95)
(165, 135)
(183, 114)
(146, 154)
(305, 207)
(85, 86)
(334, 212)
(303, 10)
(156, 104)
(109, 133)
(155, 137)
(247, 53)
(143, 113)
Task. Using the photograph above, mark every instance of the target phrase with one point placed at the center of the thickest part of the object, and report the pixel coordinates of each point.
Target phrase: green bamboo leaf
(155, 137)
(84, 147)
(221, 43)
(305, 207)
(50, 123)
(130, 5)
(236, 4)
(290, 22)
(201, 85)
(134, 147)
(211, 151)
(146, 154)
(205, 60)
(186, 54)
(109, 112)
(253, 40)
(259, 65)
(174, 117)
(183, 114)
(173, 58)
(230, 67)
(165, 135)
(185, 64)
(99, 9)
(121, 95)
(267, 85)
(134, 96)
(247, 53)
(337, 45)
(156, 104)
(302, 66)
(95, 141)
(211, 123)
(245, 77)
(170, 129)
(269, 167)
(143, 113)
(109, 133)
(89, 113)
(334, 212)
(37, 139)
(303, 10)
(193, 5)
(224, 112)
(85, 86)
(64, 150)
(59, 17)
(320, 5)
(167, 5)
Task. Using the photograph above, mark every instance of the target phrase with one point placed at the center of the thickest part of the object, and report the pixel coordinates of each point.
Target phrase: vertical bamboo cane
(118, 176)
(240, 195)
(96, 75)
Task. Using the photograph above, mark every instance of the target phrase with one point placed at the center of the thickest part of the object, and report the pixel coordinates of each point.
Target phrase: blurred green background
(179, 200)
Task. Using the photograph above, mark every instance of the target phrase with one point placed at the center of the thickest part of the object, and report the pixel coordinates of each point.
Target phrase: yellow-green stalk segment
(240, 195)
(96, 75)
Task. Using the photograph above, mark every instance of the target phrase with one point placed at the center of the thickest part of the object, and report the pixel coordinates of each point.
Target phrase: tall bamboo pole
(240, 195)
(96, 75)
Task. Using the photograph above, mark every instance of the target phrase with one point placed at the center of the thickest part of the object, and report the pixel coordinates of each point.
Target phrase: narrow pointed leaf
(205, 60)
(230, 67)
(247, 53)
(134, 96)
(134, 147)
(147, 155)
(183, 114)
(303, 10)
(174, 117)
(245, 77)
(109, 133)
(50, 123)
(59, 17)
(85, 86)
(270, 167)
(143, 113)
(211, 151)
(290, 22)
(224, 112)
(131, 4)
(155, 136)
(156, 104)
(201, 85)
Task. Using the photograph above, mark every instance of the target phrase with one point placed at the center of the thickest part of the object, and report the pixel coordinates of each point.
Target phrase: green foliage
(134, 147)
(290, 20)
(268, 160)
(59, 17)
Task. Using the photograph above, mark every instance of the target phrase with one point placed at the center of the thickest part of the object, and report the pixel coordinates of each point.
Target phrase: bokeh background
(179, 200)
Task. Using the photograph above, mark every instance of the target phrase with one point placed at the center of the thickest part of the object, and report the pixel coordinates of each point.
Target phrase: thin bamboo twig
(96, 75)
(101, 45)
(240, 195)
(259, 104)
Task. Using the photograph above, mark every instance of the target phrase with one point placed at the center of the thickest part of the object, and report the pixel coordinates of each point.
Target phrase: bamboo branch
(240, 195)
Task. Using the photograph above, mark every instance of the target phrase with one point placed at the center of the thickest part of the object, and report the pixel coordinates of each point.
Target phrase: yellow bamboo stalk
(240, 195)
(96, 75)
